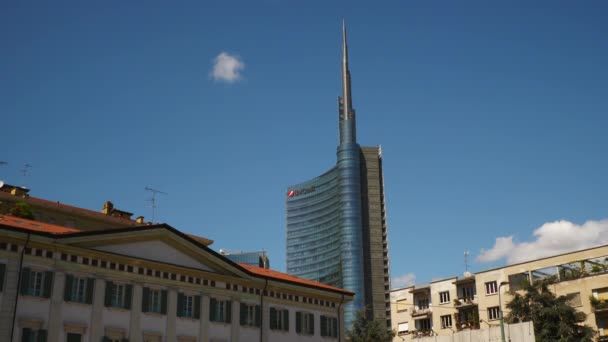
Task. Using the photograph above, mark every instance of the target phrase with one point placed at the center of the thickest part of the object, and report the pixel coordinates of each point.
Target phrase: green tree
(366, 330)
(553, 317)
(23, 210)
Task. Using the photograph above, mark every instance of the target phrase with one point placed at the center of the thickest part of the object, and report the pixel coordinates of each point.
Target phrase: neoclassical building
(149, 283)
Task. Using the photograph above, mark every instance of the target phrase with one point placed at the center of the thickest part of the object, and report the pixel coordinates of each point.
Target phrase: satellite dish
(1, 183)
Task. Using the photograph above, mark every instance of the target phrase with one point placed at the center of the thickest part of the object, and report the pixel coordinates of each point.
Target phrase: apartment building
(149, 283)
(474, 301)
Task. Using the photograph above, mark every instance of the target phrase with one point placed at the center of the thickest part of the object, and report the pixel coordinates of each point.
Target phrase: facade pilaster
(9, 295)
(235, 319)
(171, 314)
(204, 321)
(97, 329)
(55, 324)
(135, 334)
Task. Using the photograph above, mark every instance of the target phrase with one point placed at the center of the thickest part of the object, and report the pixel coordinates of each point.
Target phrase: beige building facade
(149, 283)
(474, 301)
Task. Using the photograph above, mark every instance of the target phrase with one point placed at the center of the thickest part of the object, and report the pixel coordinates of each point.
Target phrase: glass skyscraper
(336, 222)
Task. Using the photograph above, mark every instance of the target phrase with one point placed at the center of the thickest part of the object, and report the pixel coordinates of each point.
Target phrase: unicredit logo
(293, 193)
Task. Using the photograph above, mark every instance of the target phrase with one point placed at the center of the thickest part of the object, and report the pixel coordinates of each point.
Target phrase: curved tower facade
(336, 222)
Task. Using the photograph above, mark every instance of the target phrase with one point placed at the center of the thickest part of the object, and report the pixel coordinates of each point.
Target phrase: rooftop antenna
(466, 261)
(2, 163)
(25, 169)
(153, 199)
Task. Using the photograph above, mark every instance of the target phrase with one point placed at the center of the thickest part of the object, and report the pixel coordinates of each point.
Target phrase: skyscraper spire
(345, 104)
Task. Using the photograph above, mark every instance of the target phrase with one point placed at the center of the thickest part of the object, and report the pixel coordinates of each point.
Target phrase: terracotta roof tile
(83, 210)
(21, 223)
(283, 276)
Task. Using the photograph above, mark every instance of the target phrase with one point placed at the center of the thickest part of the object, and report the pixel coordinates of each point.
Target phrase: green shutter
(128, 296)
(212, 310)
(25, 334)
(243, 313)
(258, 316)
(25, 280)
(334, 323)
(286, 319)
(228, 311)
(197, 307)
(41, 336)
(323, 326)
(108, 296)
(273, 318)
(48, 285)
(180, 305)
(312, 324)
(163, 302)
(67, 290)
(90, 288)
(145, 300)
(298, 322)
(2, 271)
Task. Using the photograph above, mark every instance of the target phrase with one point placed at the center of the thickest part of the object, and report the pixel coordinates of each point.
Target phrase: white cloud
(227, 68)
(405, 280)
(551, 238)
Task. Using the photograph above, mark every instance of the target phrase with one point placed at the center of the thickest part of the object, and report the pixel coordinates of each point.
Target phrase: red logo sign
(291, 193)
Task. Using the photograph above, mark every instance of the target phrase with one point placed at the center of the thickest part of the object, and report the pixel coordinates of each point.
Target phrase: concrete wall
(520, 332)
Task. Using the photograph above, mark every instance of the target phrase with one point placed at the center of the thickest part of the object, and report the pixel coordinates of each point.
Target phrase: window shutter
(228, 311)
(298, 322)
(128, 296)
(243, 313)
(323, 326)
(41, 336)
(25, 280)
(312, 324)
(90, 289)
(334, 323)
(67, 290)
(286, 320)
(25, 334)
(273, 318)
(197, 307)
(145, 299)
(2, 271)
(48, 285)
(258, 316)
(212, 310)
(180, 305)
(108, 296)
(163, 302)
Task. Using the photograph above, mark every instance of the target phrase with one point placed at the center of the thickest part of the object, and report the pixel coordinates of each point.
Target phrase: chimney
(108, 207)
(139, 219)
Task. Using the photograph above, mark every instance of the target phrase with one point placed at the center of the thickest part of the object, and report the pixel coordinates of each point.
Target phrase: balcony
(422, 333)
(417, 312)
(462, 303)
(598, 305)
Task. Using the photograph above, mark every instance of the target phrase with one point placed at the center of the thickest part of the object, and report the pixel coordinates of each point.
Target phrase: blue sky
(493, 117)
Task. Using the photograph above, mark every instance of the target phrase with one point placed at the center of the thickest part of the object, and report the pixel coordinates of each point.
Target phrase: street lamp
(502, 324)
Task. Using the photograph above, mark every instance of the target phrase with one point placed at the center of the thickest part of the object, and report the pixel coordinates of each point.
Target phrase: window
(305, 323)
(329, 326)
(518, 281)
(154, 300)
(279, 319)
(401, 305)
(115, 335)
(446, 321)
(493, 313)
(574, 299)
(78, 289)
(220, 310)
(423, 303)
(72, 337)
(444, 297)
(2, 271)
(36, 283)
(491, 287)
(188, 306)
(118, 295)
(31, 335)
(403, 328)
(468, 292)
(250, 315)
(423, 324)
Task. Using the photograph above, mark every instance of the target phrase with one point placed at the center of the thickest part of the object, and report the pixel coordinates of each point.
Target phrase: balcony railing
(465, 302)
(598, 305)
(467, 325)
(420, 312)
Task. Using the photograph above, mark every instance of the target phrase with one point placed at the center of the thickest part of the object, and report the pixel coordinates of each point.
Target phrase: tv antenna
(153, 199)
(25, 169)
(2, 163)
(466, 261)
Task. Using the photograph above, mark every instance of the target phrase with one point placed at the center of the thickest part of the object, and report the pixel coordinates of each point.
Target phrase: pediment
(158, 243)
